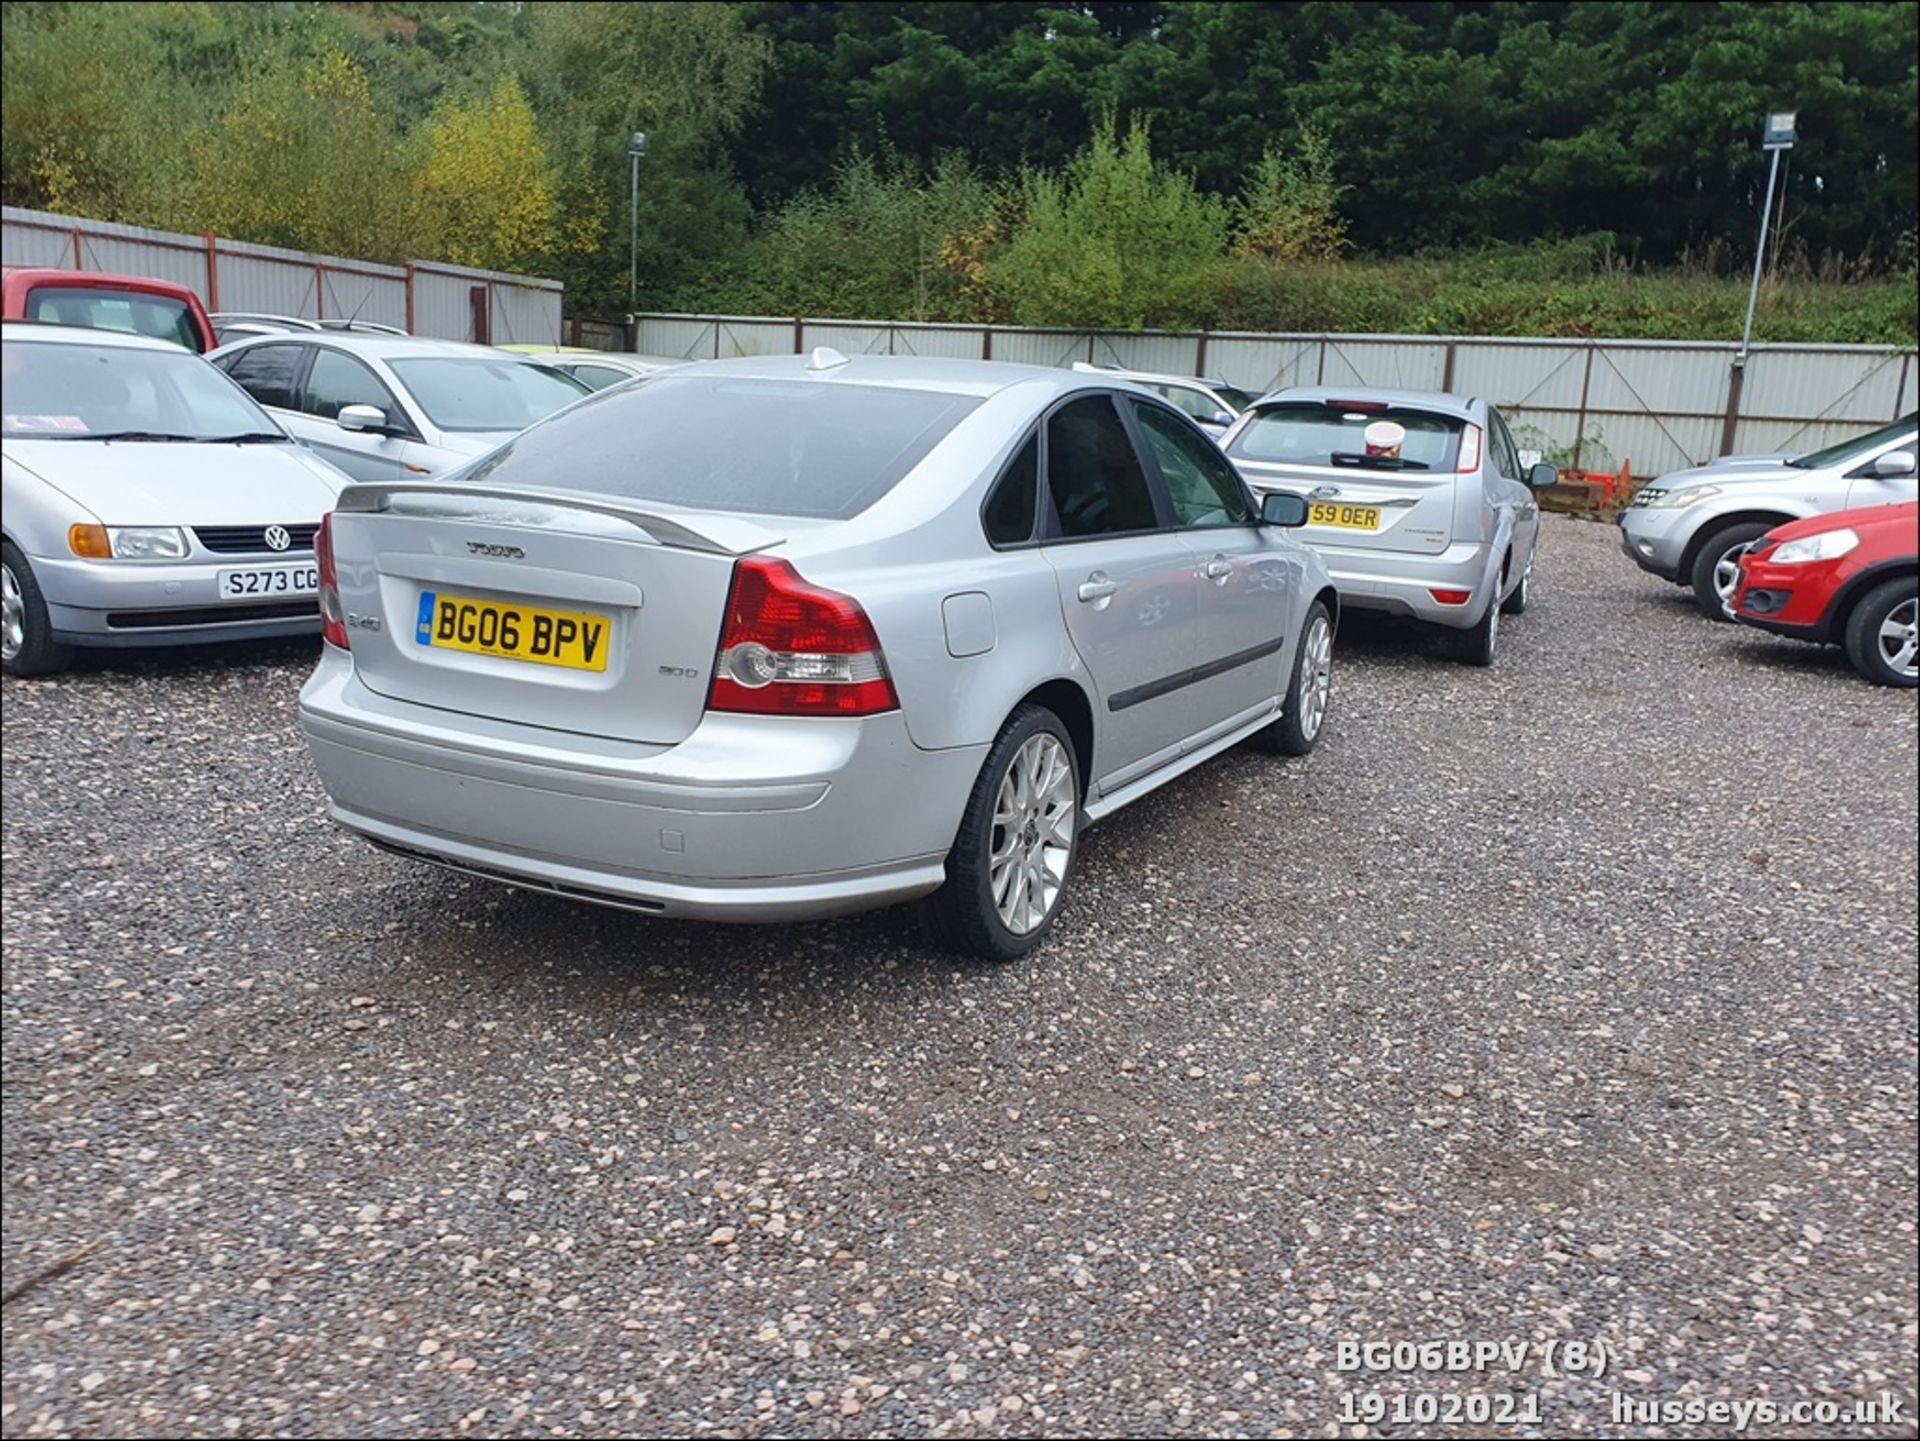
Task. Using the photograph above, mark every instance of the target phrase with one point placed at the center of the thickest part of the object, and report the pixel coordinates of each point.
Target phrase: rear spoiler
(715, 534)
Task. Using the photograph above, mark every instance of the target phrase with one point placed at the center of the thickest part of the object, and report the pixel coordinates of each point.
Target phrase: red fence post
(409, 297)
(986, 342)
(1580, 425)
(213, 271)
(78, 262)
(319, 290)
(1200, 356)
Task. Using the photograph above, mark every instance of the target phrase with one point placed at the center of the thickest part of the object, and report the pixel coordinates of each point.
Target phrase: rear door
(1507, 480)
(1127, 585)
(1317, 449)
(1245, 585)
(272, 375)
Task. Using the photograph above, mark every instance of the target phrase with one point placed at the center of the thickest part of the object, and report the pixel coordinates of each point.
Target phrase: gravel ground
(1570, 1001)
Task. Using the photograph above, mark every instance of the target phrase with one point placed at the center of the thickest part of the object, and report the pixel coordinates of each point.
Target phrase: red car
(136, 304)
(1849, 578)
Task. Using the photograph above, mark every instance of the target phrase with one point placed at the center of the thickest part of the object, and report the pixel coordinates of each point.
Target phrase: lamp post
(636, 151)
(1776, 137)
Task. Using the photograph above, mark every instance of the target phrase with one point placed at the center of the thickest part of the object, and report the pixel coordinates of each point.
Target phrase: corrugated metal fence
(1656, 404)
(425, 297)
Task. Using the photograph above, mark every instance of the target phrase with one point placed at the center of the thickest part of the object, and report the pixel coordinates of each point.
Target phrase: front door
(1127, 586)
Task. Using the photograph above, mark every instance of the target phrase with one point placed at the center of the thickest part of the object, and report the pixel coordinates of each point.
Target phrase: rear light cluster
(333, 619)
(788, 647)
(1450, 597)
(1469, 450)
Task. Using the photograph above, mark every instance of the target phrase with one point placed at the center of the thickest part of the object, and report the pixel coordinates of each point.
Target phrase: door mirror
(1220, 418)
(369, 419)
(1542, 475)
(1283, 507)
(1894, 463)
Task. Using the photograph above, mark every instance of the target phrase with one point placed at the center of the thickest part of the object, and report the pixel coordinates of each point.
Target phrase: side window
(338, 380)
(597, 377)
(1506, 456)
(1008, 517)
(1093, 472)
(266, 373)
(1196, 403)
(1204, 488)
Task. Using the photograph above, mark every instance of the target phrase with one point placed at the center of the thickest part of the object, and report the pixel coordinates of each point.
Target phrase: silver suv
(1440, 525)
(1691, 526)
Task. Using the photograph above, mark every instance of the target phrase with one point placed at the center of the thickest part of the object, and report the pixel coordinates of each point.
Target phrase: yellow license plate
(1344, 517)
(575, 640)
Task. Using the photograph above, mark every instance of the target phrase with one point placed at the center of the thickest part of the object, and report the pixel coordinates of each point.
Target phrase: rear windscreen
(129, 311)
(768, 447)
(1318, 434)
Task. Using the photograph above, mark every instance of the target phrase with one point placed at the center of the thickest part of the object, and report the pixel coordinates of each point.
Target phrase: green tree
(487, 190)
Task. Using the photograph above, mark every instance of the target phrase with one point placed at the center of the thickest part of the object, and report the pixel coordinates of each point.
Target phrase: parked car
(1851, 579)
(1692, 526)
(232, 325)
(148, 501)
(792, 636)
(1442, 526)
(1211, 404)
(596, 369)
(131, 304)
(382, 407)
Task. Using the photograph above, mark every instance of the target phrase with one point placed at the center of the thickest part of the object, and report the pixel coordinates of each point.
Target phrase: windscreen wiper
(1376, 462)
(245, 437)
(134, 435)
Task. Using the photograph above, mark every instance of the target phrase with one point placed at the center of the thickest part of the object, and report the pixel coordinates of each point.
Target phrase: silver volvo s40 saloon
(789, 637)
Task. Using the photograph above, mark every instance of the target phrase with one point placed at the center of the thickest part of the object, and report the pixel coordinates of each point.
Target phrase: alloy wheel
(1319, 676)
(1033, 833)
(1726, 575)
(1899, 637)
(13, 614)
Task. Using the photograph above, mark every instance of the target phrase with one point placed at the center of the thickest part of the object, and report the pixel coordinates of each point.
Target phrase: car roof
(379, 346)
(39, 330)
(96, 280)
(977, 378)
(1440, 402)
(1170, 377)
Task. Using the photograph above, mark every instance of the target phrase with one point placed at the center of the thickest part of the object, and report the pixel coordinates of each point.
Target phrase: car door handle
(1218, 569)
(1096, 588)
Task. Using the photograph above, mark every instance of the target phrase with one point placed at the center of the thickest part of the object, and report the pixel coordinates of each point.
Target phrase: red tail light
(333, 619)
(1450, 597)
(1365, 407)
(792, 648)
(1469, 450)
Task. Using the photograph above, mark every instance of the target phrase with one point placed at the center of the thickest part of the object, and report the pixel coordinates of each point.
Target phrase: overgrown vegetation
(1536, 168)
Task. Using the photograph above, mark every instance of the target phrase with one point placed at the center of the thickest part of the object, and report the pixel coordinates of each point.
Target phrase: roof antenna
(825, 357)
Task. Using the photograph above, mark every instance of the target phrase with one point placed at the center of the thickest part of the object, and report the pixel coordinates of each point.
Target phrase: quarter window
(266, 373)
(337, 381)
(1093, 472)
(1009, 513)
(1204, 489)
(1506, 457)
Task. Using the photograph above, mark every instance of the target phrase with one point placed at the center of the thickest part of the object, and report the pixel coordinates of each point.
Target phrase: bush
(1116, 240)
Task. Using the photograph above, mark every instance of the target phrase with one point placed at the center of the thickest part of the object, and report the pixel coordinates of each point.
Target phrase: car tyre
(1522, 597)
(1880, 633)
(1475, 645)
(1309, 691)
(29, 647)
(1013, 856)
(1717, 565)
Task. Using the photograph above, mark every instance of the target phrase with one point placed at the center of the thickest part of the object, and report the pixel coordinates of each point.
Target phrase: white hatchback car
(148, 501)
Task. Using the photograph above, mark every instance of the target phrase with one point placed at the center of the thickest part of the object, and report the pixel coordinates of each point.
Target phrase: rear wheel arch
(1070, 703)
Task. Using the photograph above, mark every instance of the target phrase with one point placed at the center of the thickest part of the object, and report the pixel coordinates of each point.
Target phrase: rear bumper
(749, 819)
(1402, 584)
(128, 603)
